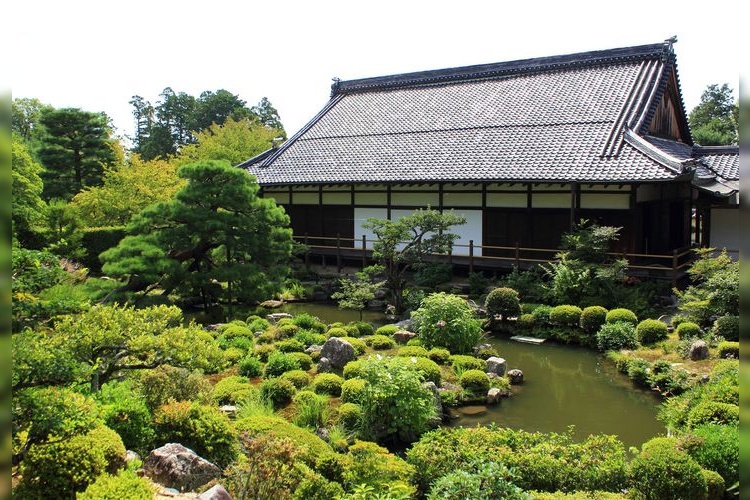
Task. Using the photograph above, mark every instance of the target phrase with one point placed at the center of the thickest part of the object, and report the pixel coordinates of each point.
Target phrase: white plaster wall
(472, 230)
(725, 228)
(281, 197)
(601, 200)
(360, 217)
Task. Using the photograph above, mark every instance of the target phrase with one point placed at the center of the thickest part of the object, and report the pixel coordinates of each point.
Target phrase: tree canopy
(215, 239)
(714, 122)
(27, 205)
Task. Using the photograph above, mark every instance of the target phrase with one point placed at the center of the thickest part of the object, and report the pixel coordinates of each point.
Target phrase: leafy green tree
(403, 244)
(75, 148)
(111, 340)
(715, 120)
(234, 141)
(215, 108)
(28, 207)
(714, 290)
(64, 230)
(268, 116)
(216, 231)
(26, 115)
(356, 294)
(445, 320)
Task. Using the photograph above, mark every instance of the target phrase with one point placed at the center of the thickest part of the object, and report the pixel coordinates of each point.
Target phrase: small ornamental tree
(503, 302)
(356, 294)
(446, 320)
(402, 244)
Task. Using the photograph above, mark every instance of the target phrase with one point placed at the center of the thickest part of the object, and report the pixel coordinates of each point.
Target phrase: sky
(96, 55)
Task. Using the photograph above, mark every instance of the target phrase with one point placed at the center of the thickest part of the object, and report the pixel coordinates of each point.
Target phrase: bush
(592, 318)
(95, 240)
(715, 485)
(662, 471)
(305, 360)
(290, 345)
(415, 342)
(650, 331)
(278, 363)
(365, 329)
(250, 366)
(713, 412)
(565, 315)
(167, 384)
(277, 391)
(350, 415)
(311, 410)
(232, 355)
(475, 381)
(204, 429)
(616, 336)
(359, 346)
(439, 355)
(462, 362)
(327, 383)
(717, 448)
(412, 351)
(482, 481)
(381, 342)
(265, 338)
(729, 350)
(307, 322)
(639, 371)
(337, 331)
(352, 390)
(387, 330)
(525, 322)
(485, 351)
(429, 370)
(298, 378)
(688, 330)
(65, 467)
(448, 321)
(666, 379)
(263, 351)
(126, 484)
(727, 327)
(541, 315)
(375, 466)
(257, 324)
(124, 411)
(284, 331)
(431, 274)
(622, 314)
(352, 369)
(309, 338)
(231, 390)
(503, 302)
(311, 445)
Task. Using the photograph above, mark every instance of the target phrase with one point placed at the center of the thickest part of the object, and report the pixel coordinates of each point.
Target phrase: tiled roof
(561, 118)
(724, 160)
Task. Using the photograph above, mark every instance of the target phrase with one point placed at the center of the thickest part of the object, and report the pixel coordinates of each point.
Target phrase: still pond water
(563, 386)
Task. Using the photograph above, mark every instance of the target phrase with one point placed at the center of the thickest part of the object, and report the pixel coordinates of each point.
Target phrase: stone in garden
(403, 336)
(131, 456)
(215, 492)
(430, 386)
(471, 411)
(496, 365)
(229, 410)
(323, 434)
(405, 324)
(698, 350)
(314, 348)
(272, 304)
(274, 318)
(176, 466)
(376, 305)
(338, 351)
(324, 365)
(494, 395)
(515, 376)
(381, 293)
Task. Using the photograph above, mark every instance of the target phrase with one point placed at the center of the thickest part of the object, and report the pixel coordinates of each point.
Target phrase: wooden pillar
(471, 256)
(338, 252)
(364, 251)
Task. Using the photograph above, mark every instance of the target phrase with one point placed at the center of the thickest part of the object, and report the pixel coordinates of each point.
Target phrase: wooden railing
(670, 266)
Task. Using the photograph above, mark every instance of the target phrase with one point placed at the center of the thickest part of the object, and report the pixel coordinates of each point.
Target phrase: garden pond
(563, 386)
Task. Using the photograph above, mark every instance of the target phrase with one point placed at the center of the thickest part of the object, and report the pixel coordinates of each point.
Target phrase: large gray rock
(430, 386)
(494, 395)
(496, 365)
(403, 336)
(515, 376)
(216, 492)
(274, 318)
(324, 365)
(698, 350)
(176, 466)
(338, 351)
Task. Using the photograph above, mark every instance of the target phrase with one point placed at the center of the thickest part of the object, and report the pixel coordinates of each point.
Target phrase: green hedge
(98, 239)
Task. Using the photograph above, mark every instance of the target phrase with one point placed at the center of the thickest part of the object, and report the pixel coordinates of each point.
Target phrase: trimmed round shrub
(445, 320)
(311, 445)
(688, 330)
(380, 342)
(475, 381)
(662, 471)
(277, 391)
(528, 307)
(349, 415)
(278, 363)
(386, 330)
(717, 448)
(650, 331)
(541, 314)
(298, 378)
(353, 390)
(462, 362)
(713, 412)
(622, 314)
(352, 369)
(525, 322)
(351, 330)
(308, 338)
(265, 338)
(428, 368)
(365, 328)
(729, 350)
(715, 485)
(290, 345)
(504, 302)
(250, 366)
(305, 360)
(416, 342)
(382, 471)
(244, 343)
(257, 324)
(412, 351)
(337, 331)
(327, 383)
(308, 322)
(616, 336)
(565, 315)
(126, 484)
(233, 355)
(285, 331)
(727, 327)
(439, 355)
(264, 351)
(592, 318)
(204, 429)
(232, 390)
(65, 467)
(359, 345)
